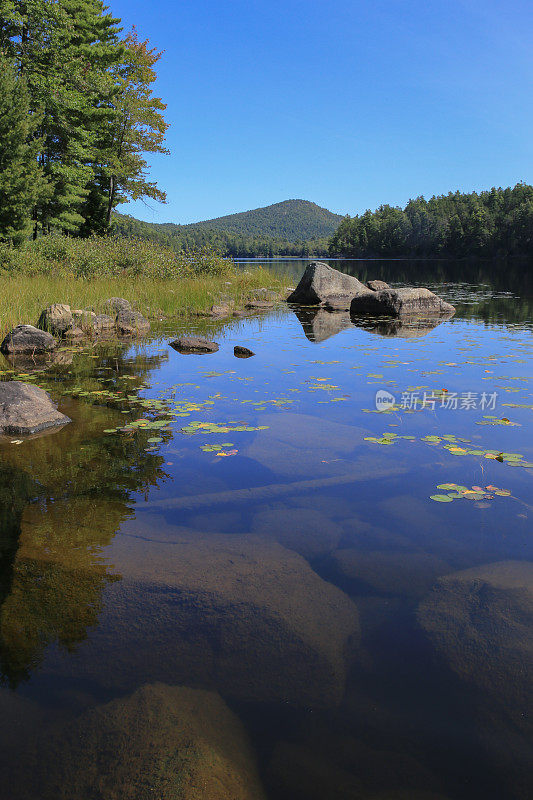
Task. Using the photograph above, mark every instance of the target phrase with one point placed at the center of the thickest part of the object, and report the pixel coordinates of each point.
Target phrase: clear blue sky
(346, 103)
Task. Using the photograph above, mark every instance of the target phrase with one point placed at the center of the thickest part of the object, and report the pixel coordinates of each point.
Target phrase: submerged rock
(131, 323)
(407, 574)
(400, 302)
(306, 531)
(242, 352)
(27, 339)
(26, 409)
(259, 305)
(168, 742)
(265, 626)
(320, 281)
(56, 319)
(194, 344)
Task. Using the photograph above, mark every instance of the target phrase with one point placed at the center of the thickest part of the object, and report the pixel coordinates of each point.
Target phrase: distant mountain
(292, 220)
(290, 228)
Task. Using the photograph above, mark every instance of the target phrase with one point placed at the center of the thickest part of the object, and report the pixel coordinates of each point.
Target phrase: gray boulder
(194, 344)
(401, 302)
(26, 409)
(56, 319)
(320, 281)
(26, 339)
(131, 323)
(117, 304)
(376, 286)
(103, 324)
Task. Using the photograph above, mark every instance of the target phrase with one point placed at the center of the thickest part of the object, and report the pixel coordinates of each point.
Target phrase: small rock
(27, 339)
(376, 286)
(242, 352)
(26, 409)
(259, 305)
(239, 313)
(117, 304)
(131, 323)
(194, 344)
(56, 319)
(221, 310)
(84, 319)
(75, 334)
(103, 323)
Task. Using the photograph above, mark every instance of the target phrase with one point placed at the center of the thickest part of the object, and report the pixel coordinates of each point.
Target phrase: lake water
(345, 583)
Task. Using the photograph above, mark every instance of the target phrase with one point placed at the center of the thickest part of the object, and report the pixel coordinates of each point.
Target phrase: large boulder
(234, 613)
(131, 323)
(26, 409)
(26, 339)
(168, 742)
(319, 281)
(56, 319)
(401, 302)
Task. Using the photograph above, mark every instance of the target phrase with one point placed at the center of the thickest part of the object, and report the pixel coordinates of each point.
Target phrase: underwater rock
(320, 324)
(376, 286)
(400, 302)
(27, 339)
(168, 742)
(480, 621)
(319, 281)
(56, 319)
(131, 323)
(230, 612)
(406, 574)
(26, 409)
(194, 344)
(305, 531)
(242, 352)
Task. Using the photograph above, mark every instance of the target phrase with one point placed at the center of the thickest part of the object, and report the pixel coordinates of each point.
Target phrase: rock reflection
(405, 328)
(319, 324)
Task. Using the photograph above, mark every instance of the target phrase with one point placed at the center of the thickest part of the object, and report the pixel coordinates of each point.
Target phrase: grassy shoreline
(22, 298)
(84, 273)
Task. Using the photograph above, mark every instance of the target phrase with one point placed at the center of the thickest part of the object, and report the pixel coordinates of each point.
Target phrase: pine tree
(22, 182)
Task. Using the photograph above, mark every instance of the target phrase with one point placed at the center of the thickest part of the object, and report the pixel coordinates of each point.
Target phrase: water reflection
(297, 620)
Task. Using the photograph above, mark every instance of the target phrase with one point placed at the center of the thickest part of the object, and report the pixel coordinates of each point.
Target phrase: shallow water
(278, 541)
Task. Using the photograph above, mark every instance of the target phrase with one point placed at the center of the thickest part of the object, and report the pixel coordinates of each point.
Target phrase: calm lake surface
(353, 582)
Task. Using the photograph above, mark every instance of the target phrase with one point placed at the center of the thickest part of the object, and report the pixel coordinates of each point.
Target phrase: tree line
(226, 243)
(77, 116)
(498, 222)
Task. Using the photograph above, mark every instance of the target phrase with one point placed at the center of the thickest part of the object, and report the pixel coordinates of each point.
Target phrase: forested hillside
(498, 222)
(291, 220)
(290, 228)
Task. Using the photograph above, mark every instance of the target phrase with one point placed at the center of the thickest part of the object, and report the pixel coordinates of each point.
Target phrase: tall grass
(85, 273)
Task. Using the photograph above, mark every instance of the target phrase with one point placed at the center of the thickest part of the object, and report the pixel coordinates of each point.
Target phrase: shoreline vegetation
(84, 273)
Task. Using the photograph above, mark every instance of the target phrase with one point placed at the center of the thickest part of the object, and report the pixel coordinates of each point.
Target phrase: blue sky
(346, 103)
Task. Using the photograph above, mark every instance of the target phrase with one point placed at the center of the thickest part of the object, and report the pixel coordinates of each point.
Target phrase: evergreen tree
(22, 183)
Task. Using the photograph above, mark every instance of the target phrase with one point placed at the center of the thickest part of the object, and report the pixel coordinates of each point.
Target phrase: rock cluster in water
(324, 286)
(59, 321)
